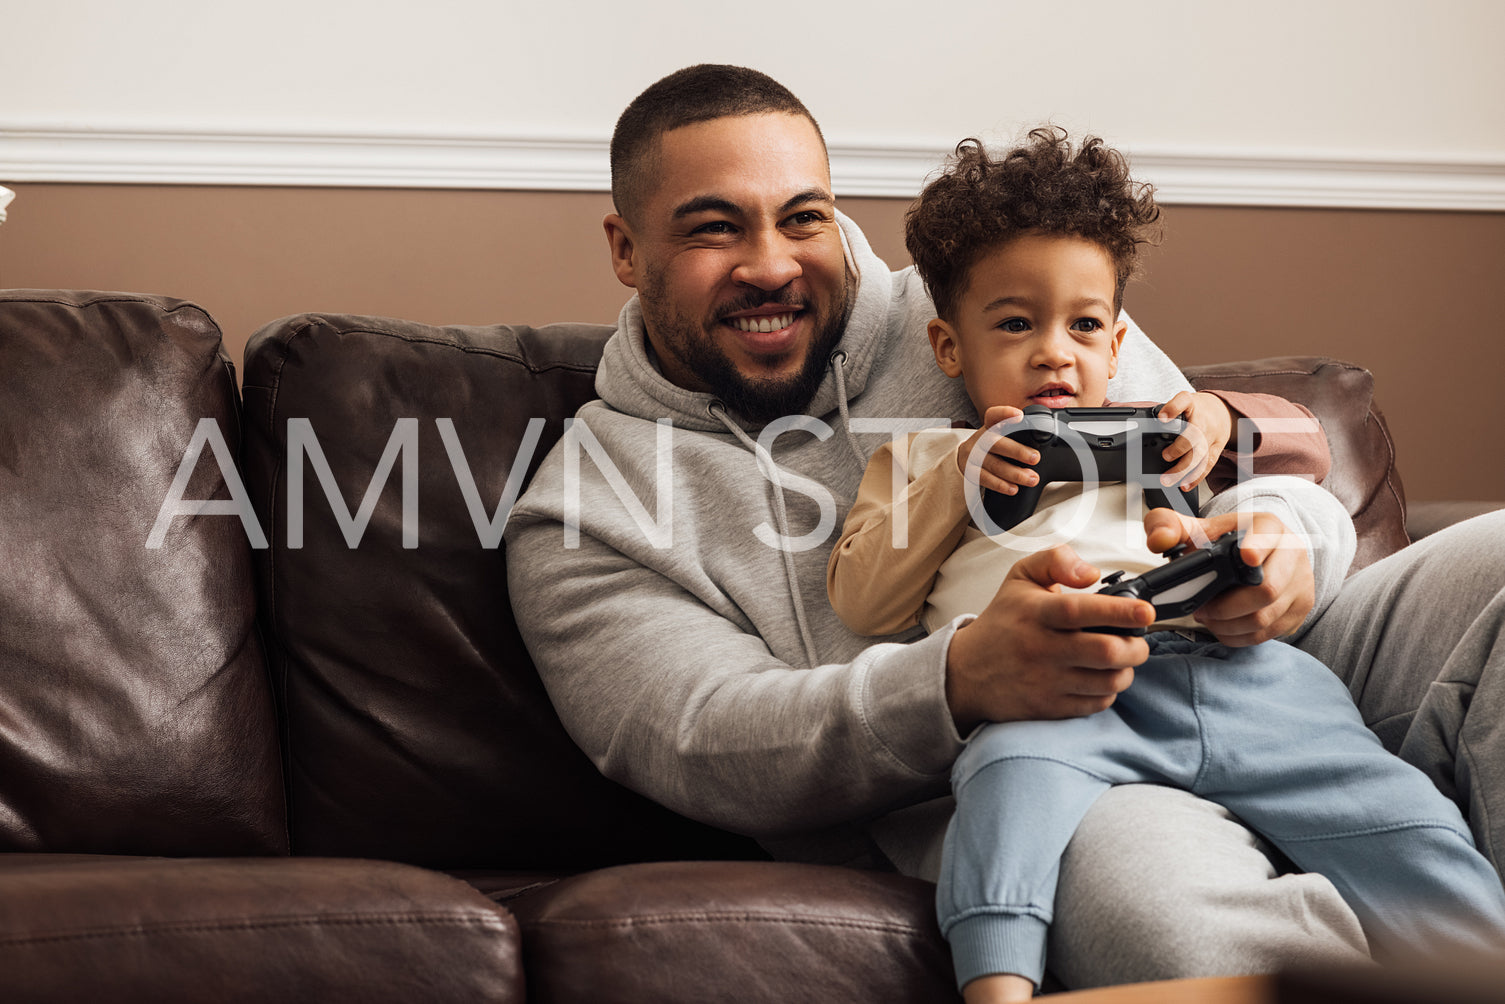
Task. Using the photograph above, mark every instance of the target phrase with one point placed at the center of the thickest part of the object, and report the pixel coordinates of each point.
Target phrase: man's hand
(1246, 615)
(1210, 424)
(1026, 655)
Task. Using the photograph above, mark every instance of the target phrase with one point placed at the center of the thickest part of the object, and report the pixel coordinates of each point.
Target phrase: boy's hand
(1209, 425)
(1026, 655)
(996, 471)
(1246, 615)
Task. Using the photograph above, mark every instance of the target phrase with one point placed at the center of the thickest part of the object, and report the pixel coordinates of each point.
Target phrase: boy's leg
(1417, 638)
(1021, 789)
(1292, 758)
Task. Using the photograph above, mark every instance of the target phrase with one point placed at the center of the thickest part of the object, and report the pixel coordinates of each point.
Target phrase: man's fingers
(1095, 683)
(1080, 611)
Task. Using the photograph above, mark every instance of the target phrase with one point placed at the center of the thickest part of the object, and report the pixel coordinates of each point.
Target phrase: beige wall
(1403, 77)
(1414, 296)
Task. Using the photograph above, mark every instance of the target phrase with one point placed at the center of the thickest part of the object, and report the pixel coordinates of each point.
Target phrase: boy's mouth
(1056, 395)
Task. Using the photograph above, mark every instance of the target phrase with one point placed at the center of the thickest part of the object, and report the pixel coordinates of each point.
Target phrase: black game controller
(1091, 444)
(1187, 581)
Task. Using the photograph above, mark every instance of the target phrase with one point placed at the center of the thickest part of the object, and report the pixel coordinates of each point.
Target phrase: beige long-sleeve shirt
(910, 552)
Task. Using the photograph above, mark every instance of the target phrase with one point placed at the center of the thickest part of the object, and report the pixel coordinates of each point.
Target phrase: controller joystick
(1187, 581)
(1091, 444)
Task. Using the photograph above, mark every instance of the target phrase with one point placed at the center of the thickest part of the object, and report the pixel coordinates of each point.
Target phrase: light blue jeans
(1266, 731)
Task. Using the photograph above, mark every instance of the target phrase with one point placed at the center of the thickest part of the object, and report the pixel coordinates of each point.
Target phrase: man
(782, 352)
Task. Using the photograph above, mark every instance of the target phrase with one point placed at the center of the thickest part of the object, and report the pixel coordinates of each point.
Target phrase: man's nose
(768, 262)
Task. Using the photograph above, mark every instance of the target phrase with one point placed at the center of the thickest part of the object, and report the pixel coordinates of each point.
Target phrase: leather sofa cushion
(1341, 395)
(723, 930)
(135, 714)
(125, 929)
(415, 726)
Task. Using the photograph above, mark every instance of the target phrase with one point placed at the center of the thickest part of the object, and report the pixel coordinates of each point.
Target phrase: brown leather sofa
(329, 772)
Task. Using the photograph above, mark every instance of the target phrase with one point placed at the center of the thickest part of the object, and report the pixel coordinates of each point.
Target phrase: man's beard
(760, 400)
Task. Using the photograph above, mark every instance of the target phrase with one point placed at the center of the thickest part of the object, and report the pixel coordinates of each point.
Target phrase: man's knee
(1158, 884)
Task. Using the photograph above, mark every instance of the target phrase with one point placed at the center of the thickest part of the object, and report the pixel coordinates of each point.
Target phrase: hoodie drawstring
(839, 360)
(781, 517)
(780, 511)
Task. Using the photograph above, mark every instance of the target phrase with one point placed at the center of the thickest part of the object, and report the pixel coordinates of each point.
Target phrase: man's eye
(1015, 325)
(714, 227)
(808, 218)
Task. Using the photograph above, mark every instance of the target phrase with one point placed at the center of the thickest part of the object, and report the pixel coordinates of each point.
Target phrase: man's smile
(773, 330)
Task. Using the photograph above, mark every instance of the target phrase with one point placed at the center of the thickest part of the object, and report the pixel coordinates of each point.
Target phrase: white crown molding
(49, 153)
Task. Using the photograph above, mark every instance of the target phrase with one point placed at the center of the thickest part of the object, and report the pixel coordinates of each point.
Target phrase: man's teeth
(772, 322)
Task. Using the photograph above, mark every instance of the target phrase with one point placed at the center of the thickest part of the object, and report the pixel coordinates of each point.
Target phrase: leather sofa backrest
(135, 711)
(415, 726)
(1341, 395)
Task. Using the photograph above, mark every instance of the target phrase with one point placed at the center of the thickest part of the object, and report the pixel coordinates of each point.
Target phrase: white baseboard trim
(1188, 177)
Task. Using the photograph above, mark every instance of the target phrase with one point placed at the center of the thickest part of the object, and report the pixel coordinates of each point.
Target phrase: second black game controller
(1188, 580)
(1091, 444)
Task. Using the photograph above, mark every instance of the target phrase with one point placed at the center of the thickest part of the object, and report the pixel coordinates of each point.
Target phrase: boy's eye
(1014, 325)
(1087, 324)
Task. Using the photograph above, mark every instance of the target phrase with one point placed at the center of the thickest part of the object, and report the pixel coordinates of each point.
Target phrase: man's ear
(1118, 340)
(619, 239)
(943, 342)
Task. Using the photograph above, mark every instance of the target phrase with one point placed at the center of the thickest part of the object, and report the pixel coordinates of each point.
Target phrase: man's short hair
(694, 94)
(980, 203)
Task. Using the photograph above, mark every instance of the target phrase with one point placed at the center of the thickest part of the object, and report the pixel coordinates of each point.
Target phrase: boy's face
(1035, 325)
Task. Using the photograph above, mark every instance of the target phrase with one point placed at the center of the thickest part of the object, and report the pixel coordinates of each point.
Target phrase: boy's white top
(1103, 523)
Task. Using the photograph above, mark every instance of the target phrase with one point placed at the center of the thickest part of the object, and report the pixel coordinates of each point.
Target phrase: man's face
(737, 259)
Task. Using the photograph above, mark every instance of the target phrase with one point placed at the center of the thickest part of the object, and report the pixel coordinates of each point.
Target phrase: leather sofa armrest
(1341, 395)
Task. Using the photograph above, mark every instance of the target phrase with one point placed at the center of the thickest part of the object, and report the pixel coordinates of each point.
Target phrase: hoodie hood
(629, 382)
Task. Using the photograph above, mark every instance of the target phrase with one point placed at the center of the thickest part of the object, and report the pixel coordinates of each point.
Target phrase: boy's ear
(620, 241)
(945, 345)
(1119, 330)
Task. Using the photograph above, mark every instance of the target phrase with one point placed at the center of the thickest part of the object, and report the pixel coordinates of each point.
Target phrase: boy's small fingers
(1014, 450)
(1175, 406)
(994, 483)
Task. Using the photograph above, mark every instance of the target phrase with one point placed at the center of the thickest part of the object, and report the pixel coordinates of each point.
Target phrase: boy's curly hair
(1040, 187)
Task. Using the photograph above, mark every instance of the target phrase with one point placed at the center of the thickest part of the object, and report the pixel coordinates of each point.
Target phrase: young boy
(1026, 258)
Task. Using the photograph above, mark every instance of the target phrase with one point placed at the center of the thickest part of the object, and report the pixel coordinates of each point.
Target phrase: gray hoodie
(667, 566)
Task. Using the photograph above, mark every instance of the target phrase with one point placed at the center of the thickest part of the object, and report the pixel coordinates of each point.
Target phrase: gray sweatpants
(1157, 883)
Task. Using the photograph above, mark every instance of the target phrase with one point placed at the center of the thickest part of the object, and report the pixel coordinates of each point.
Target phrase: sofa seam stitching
(210, 927)
(682, 918)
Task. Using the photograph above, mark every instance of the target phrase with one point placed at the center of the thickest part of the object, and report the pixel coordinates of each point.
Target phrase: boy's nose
(1053, 349)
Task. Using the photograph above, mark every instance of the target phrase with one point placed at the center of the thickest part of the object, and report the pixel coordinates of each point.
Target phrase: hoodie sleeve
(685, 703)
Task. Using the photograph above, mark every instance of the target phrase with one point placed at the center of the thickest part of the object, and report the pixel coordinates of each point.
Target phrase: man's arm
(687, 704)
